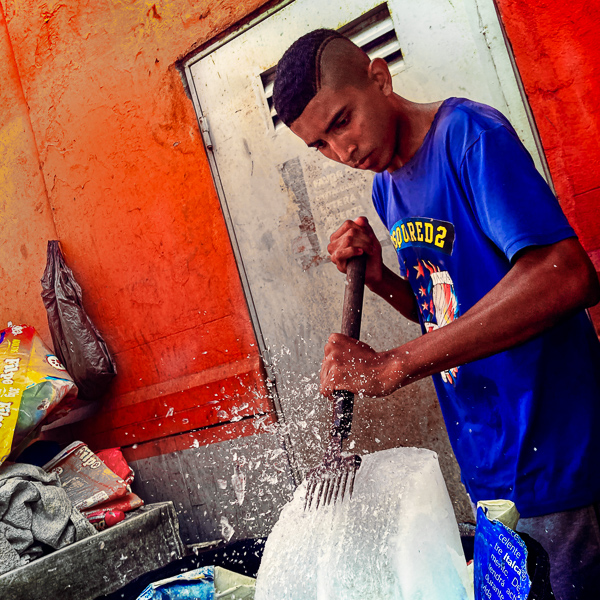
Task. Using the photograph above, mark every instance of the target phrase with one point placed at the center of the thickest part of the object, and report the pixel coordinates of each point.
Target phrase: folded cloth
(36, 516)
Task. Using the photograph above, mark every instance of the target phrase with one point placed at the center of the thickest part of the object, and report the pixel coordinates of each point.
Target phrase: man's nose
(345, 151)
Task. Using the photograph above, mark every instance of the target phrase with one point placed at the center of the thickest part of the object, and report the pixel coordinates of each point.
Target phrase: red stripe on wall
(204, 437)
(175, 407)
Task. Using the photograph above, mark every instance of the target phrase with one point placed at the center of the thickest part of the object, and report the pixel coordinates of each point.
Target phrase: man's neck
(413, 123)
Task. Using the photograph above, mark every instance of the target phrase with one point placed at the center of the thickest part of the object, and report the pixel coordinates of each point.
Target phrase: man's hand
(355, 238)
(354, 366)
(546, 285)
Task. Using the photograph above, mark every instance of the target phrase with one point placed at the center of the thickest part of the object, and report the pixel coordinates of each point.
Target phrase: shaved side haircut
(312, 61)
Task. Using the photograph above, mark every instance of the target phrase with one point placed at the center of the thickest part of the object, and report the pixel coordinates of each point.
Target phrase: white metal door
(284, 200)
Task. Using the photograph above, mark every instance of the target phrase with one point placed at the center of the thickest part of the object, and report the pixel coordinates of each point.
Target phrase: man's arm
(354, 238)
(545, 285)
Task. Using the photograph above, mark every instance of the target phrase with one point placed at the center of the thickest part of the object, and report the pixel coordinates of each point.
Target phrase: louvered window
(374, 32)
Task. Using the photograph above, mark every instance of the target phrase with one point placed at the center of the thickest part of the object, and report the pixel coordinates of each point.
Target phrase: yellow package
(32, 385)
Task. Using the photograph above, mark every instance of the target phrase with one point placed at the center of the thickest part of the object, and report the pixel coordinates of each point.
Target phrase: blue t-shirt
(525, 423)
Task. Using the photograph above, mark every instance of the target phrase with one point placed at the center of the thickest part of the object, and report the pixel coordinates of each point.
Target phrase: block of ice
(395, 539)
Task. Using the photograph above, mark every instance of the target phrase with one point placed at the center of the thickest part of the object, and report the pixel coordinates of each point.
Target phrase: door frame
(186, 65)
(203, 125)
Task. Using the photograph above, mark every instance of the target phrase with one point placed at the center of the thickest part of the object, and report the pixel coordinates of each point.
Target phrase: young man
(491, 270)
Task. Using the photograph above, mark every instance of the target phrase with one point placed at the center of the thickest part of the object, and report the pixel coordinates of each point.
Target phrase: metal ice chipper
(337, 471)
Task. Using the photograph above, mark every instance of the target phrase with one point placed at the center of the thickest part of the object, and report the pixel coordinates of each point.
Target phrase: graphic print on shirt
(433, 286)
(437, 303)
(423, 233)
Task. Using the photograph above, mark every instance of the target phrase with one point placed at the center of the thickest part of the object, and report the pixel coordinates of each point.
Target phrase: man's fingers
(343, 228)
(335, 371)
(352, 240)
(341, 256)
(358, 229)
(355, 238)
(364, 224)
(329, 367)
(329, 371)
(323, 387)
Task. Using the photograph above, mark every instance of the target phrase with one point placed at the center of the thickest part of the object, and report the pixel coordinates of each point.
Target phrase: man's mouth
(363, 163)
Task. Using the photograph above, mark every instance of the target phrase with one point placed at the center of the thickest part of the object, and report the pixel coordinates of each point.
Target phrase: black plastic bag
(77, 342)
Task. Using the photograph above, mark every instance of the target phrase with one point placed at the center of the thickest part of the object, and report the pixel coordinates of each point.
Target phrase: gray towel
(36, 516)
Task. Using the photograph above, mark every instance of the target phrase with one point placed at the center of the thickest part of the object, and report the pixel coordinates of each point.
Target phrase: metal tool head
(337, 471)
(330, 480)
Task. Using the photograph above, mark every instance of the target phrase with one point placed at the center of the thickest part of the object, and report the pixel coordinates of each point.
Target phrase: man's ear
(379, 72)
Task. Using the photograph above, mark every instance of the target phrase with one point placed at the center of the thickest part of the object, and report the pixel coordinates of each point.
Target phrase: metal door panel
(285, 200)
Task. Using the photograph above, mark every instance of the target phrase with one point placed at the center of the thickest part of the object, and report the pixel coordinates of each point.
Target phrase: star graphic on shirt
(425, 306)
(419, 268)
(422, 291)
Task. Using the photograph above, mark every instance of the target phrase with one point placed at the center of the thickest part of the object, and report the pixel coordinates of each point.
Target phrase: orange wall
(557, 50)
(26, 216)
(100, 148)
(134, 205)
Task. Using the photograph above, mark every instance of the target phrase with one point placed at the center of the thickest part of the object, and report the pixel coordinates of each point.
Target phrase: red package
(113, 458)
(85, 478)
(103, 520)
(126, 503)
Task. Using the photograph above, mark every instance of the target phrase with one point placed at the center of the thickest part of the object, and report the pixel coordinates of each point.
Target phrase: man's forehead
(319, 114)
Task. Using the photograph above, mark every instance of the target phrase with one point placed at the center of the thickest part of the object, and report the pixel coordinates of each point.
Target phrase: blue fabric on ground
(198, 584)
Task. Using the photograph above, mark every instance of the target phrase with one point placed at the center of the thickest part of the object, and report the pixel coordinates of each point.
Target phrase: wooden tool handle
(353, 296)
(351, 317)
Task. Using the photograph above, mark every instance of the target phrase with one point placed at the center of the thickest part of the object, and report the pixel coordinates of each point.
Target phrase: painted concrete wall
(557, 51)
(104, 153)
(100, 149)
(23, 201)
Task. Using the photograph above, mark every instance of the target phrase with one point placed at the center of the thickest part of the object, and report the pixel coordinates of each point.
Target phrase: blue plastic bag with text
(500, 562)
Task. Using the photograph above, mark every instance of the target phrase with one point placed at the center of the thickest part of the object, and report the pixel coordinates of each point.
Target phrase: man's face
(350, 125)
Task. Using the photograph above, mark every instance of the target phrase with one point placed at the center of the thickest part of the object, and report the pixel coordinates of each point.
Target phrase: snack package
(102, 520)
(504, 511)
(508, 565)
(109, 513)
(113, 458)
(85, 478)
(33, 383)
(126, 503)
(500, 561)
(205, 583)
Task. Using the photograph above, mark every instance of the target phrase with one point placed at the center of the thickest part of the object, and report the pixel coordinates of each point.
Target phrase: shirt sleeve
(513, 204)
(378, 193)
(377, 197)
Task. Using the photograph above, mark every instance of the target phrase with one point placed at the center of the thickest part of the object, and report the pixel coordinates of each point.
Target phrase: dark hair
(298, 74)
